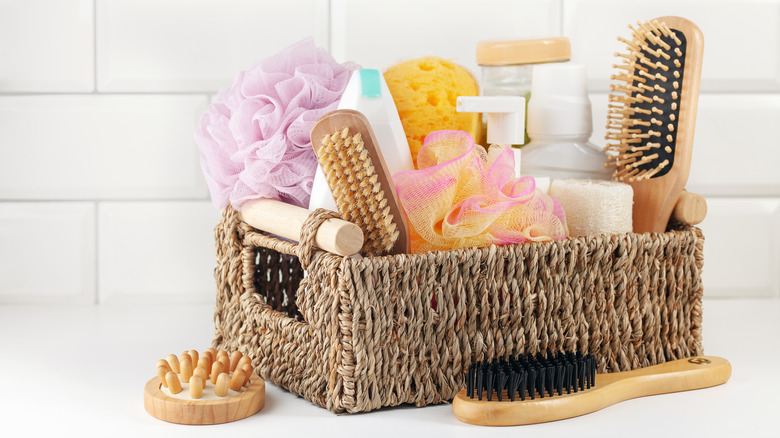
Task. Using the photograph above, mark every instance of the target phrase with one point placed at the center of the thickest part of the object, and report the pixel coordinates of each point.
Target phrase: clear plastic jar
(506, 80)
(507, 66)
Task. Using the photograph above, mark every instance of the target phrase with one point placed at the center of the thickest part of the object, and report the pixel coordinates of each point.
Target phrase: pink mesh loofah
(463, 196)
(254, 140)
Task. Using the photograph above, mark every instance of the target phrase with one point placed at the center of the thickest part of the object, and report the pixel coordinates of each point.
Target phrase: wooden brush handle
(336, 236)
(674, 376)
(691, 208)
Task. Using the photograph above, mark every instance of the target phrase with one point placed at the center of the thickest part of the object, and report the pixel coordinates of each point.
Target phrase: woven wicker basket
(355, 335)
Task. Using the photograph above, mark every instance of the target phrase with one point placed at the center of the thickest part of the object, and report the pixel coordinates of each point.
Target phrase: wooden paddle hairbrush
(652, 115)
(537, 389)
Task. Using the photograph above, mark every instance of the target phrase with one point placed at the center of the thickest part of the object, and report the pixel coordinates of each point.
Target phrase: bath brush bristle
(360, 183)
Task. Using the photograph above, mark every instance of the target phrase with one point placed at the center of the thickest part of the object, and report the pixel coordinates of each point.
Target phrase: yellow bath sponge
(425, 91)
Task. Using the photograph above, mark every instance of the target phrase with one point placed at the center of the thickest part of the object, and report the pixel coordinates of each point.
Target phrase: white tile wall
(378, 34)
(185, 45)
(99, 147)
(47, 252)
(741, 38)
(741, 254)
(47, 46)
(99, 99)
(156, 251)
(734, 151)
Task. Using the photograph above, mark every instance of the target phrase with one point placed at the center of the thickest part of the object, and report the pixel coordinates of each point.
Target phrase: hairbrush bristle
(356, 188)
(531, 376)
(645, 102)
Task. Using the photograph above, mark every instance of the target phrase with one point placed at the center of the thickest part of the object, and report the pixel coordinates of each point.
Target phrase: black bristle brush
(531, 376)
(539, 388)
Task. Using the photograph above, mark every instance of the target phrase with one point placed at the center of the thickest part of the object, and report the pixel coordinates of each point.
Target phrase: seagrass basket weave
(355, 335)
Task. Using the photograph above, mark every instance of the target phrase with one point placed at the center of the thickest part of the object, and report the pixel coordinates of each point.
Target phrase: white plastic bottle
(560, 124)
(367, 92)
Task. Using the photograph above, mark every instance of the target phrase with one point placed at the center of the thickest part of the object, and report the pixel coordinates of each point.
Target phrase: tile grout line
(774, 235)
(96, 298)
(94, 47)
(205, 198)
(109, 93)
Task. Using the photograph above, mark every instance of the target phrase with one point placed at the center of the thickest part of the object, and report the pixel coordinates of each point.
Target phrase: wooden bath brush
(652, 115)
(212, 388)
(361, 184)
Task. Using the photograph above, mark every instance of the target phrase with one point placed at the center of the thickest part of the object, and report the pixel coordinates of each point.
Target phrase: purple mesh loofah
(254, 140)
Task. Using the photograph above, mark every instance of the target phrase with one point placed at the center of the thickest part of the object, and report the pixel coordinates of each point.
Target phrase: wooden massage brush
(651, 119)
(212, 388)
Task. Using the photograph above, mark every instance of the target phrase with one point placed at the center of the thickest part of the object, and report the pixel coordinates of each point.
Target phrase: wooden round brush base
(234, 390)
(194, 411)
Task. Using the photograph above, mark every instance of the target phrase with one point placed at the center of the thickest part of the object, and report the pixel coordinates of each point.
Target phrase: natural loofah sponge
(595, 207)
(426, 91)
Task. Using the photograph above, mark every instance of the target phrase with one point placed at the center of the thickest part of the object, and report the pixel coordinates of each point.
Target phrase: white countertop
(80, 371)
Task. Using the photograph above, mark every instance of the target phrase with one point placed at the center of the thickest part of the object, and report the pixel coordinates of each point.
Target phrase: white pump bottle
(560, 124)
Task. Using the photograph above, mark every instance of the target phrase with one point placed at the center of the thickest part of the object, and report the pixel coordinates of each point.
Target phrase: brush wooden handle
(675, 376)
(336, 236)
(691, 208)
